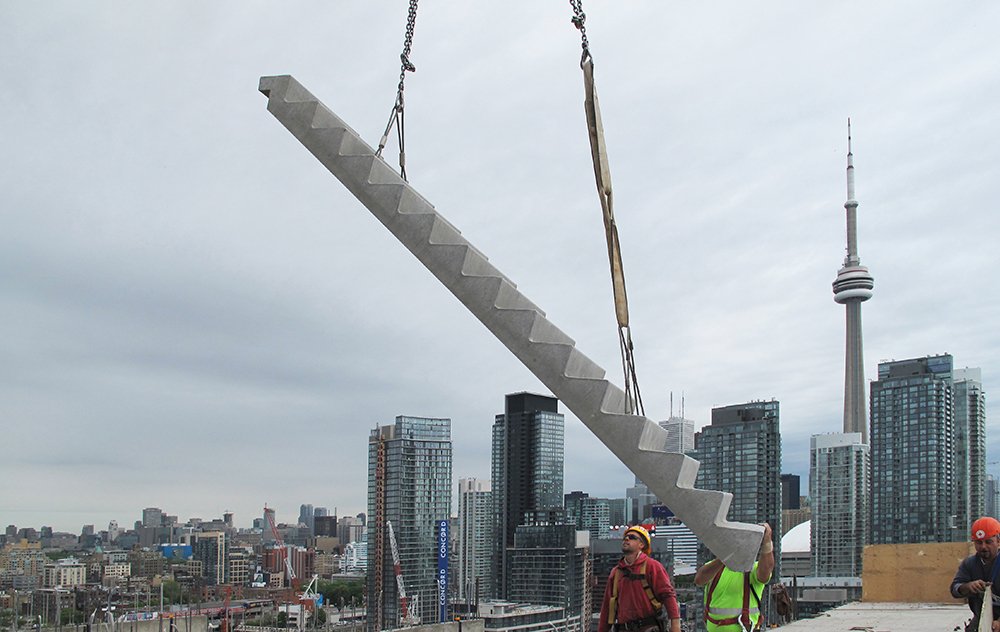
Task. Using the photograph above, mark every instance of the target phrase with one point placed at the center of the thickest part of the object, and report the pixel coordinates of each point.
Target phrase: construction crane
(226, 623)
(407, 608)
(292, 579)
(309, 601)
(309, 595)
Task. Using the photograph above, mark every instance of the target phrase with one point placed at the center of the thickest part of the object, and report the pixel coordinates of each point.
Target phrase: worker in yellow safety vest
(732, 599)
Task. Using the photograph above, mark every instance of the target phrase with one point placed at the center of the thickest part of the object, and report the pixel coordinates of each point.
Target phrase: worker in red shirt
(639, 596)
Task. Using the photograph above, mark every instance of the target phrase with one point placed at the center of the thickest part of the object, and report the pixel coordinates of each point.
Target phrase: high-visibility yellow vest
(726, 598)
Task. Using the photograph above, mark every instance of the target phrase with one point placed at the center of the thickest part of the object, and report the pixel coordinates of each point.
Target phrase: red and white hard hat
(985, 528)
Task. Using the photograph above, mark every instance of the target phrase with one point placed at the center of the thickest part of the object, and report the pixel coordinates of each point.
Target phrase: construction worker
(979, 570)
(639, 596)
(732, 599)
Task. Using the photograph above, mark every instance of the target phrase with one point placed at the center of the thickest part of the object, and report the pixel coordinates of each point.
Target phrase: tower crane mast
(407, 612)
(292, 579)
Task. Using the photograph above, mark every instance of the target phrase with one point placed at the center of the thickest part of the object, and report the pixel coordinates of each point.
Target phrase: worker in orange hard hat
(979, 571)
(639, 596)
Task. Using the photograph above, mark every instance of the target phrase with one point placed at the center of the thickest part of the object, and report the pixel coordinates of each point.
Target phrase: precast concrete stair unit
(519, 324)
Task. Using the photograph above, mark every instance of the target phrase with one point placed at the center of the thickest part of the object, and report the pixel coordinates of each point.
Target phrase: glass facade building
(474, 563)
(527, 469)
(680, 434)
(970, 442)
(838, 488)
(409, 485)
(589, 514)
(550, 565)
(915, 491)
(639, 503)
(211, 548)
(991, 499)
(740, 453)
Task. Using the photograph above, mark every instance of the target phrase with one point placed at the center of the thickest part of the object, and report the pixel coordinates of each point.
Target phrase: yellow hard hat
(646, 541)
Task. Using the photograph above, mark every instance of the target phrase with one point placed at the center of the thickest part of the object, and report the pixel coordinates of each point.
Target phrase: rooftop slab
(886, 617)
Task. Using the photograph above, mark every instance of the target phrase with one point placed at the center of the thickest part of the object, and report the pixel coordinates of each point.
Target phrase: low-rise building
(114, 572)
(21, 565)
(327, 564)
(48, 603)
(65, 573)
(146, 563)
(240, 562)
(505, 616)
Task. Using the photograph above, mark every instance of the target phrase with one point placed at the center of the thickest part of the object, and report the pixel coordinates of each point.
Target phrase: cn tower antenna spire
(852, 287)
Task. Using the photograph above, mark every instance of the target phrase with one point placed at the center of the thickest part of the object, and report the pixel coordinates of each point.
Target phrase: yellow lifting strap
(602, 174)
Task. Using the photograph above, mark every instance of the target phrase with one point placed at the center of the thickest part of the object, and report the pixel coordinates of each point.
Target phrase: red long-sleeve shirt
(633, 602)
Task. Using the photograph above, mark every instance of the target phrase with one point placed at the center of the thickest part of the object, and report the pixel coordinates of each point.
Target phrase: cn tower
(852, 287)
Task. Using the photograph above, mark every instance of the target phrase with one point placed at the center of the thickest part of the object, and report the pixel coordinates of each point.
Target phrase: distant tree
(341, 591)
(265, 620)
(171, 591)
(683, 580)
(70, 616)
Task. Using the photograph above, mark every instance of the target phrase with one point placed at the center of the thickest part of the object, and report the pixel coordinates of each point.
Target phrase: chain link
(396, 115)
(579, 20)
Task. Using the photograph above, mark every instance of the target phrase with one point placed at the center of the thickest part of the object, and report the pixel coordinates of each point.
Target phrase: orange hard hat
(985, 528)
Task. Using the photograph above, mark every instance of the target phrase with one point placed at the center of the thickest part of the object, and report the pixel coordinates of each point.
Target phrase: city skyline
(198, 312)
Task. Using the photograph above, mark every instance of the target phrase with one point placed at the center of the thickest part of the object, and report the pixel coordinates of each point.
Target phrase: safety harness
(741, 616)
(640, 576)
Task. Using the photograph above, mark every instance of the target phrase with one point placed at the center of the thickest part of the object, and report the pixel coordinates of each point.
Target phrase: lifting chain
(602, 174)
(579, 20)
(396, 115)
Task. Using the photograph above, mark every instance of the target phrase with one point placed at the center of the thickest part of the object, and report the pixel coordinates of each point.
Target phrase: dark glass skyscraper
(527, 469)
(790, 491)
(740, 453)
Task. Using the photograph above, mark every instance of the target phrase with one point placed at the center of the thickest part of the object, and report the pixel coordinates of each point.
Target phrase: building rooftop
(887, 617)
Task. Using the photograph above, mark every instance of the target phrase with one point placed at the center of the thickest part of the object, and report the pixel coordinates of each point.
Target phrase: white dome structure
(798, 539)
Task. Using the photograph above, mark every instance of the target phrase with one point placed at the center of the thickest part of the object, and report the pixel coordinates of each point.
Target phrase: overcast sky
(198, 317)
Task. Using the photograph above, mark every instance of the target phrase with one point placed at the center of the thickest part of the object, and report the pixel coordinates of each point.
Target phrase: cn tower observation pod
(517, 322)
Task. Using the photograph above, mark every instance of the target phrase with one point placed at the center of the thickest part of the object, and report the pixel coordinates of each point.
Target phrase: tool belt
(636, 624)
